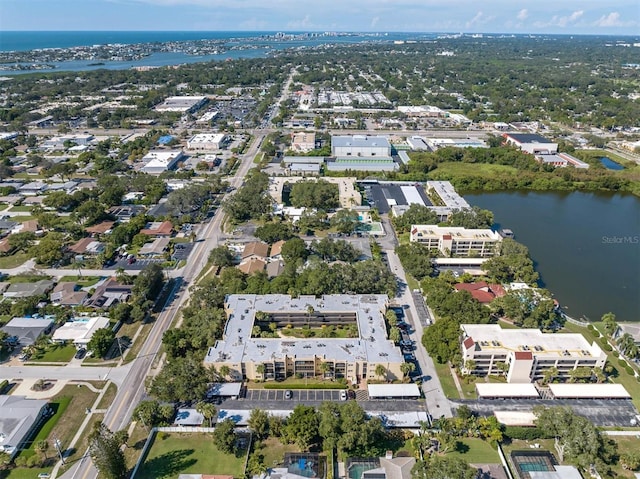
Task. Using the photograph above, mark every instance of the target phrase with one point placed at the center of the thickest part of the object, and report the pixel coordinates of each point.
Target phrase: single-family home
(157, 229)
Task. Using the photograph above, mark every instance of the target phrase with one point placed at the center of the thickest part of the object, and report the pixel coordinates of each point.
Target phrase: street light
(58, 445)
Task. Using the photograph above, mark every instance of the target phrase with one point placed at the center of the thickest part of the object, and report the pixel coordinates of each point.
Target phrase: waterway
(586, 246)
(609, 164)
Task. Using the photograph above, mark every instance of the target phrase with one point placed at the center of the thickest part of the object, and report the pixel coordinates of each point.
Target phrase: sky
(614, 17)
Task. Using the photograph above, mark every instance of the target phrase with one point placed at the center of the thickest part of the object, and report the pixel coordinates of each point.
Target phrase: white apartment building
(355, 358)
(528, 353)
(207, 141)
(457, 241)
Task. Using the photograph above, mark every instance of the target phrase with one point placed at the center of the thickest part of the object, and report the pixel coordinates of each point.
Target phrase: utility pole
(58, 445)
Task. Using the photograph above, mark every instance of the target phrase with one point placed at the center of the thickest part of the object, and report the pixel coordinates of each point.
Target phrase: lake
(609, 164)
(586, 246)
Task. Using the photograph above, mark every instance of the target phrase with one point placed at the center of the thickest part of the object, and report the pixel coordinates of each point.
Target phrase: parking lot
(181, 251)
(138, 265)
(298, 395)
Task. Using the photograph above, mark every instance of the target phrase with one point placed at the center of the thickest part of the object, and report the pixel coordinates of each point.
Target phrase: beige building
(456, 241)
(356, 358)
(526, 354)
(303, 141)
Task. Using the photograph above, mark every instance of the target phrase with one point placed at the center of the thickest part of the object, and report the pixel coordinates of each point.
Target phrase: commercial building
(360, 146)
(526, 354)
(156, 162)
(561, 160)
(417, 143)
(207, 141)
(437, 143)
(79, 331)
(303, 141)
(531, 143)
(348, 163)
(423, 111)
(19, 419)
(182, 104)
(274, 358)
(457, 241)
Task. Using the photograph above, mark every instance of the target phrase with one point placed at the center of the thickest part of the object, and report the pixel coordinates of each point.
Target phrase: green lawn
(13, 261)
(26, 278)
(55, 353)
(174, 454)
(21, 208)
(59, 406)
(25, 472)
(81, 281)
(475, 451)
(454, 169)
(625, 444)
(274, 451)
(468, 385)
(108, 397)
(446, 380)
(294, 383)
(326, 332)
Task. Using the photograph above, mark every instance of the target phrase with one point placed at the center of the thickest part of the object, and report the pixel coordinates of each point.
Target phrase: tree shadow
(461, 447)
(169, 464)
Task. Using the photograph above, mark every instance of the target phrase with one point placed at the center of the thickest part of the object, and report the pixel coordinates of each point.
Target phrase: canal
(586, 246)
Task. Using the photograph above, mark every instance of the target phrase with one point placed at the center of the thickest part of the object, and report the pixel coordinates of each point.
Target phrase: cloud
(523, 14)
(374, 22)
(561, 21)
(479, 19)
(301, 24)
(612, 20)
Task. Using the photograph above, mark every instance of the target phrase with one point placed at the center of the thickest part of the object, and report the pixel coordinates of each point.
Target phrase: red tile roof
(158, 229)
(523, 355)
(468, 343)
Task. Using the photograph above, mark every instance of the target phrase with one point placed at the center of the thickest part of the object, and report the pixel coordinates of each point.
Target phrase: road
(72, 372)
(133, 387)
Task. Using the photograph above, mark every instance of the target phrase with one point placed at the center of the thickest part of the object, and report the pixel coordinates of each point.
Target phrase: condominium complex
(354, 358)
(457, 241)
(525, 354)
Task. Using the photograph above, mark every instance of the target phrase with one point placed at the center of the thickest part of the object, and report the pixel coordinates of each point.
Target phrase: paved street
(72, 372)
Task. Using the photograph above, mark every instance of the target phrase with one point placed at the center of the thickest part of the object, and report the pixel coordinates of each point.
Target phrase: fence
(503, 459)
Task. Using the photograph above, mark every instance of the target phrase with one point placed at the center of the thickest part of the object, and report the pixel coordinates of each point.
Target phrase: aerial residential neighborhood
(329, 256)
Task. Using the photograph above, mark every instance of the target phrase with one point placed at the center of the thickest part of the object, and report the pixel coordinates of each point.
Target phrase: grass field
(108, 397)
(82, 281)
(174, 454)
(625, 444)
(475, 451)
(453, 169)
(135, 444)
(13, 261)
(59, 406)
(274, 451)
(55, 353)
(446, 380)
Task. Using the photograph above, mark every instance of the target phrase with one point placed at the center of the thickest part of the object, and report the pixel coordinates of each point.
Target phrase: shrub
(590, 327)
(623, 363)
(525, 433)
(629, 370)
(606, 346)
(616, 354)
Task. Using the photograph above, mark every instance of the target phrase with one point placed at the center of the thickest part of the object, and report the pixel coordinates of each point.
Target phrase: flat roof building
(351, 358)
(507, 391)
(182, 104)
(156, 162)
(393, 391)
(526, 354)
(561, 160)
(207, 141)
(457, 241)
(588, 391)
(531, 143)
(303, 141)
(360, 146)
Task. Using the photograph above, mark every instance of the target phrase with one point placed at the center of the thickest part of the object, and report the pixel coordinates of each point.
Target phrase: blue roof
(163, 140)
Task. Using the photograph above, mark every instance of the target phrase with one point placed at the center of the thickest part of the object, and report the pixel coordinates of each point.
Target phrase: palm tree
(549, 375)
(41, 448)
(224, 371)
(380, 370)
(395, 335)
(310, 311)
(324, 368)
(627, 345)
(407, 368)
(208, 410)
(260, 368)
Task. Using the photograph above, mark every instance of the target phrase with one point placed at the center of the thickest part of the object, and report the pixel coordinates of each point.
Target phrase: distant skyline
(602, 17)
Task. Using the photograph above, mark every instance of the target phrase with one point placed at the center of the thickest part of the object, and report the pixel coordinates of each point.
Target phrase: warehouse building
(257, 358)
(531, 143)
(182, 104)
(360, 146)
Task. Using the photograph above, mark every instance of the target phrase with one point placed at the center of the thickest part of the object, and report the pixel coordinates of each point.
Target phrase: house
(110, 293)
(88, 246)
(391, 468)
(68, 294)
(5, 247)
(100, 228)
(252, 265)
(80, 330)
(255, 249)
(157, 228)
(32, 189)
(275, 268)
(30, 226)
(276, 250)
(154, 248)
(28, 330)
(7, 226)
(124, 213)
(19, 419)
(482, 291)
(27, 290)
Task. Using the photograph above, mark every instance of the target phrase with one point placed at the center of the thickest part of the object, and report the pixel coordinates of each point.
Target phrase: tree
(380, 370)
(324, 368)
(609, 323)
(224, 371)
(21, 241)
(259, 423)
(104, 449)
(151, 413)
(630, 461)
(302, 427)
(208, 410)
(549, 375)
(42, 447)
(395, 335)
(407, 368)
(224, 436)
(273, 232)
(345, 221)
(50, 249)
(443, 467)
(5, 460)
(148, 283)
(294, 249)
(181, 379)
(319, 194)
(627, 346)
(101, 341)
(221, 256)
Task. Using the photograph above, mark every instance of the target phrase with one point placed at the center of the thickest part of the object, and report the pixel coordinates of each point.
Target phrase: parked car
(343, 395)
(288, 394)
(81, 353)
(351, 394)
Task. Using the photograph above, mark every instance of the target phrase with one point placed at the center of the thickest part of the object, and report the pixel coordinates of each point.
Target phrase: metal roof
(589, 391)
(509, 390)
(393, 390)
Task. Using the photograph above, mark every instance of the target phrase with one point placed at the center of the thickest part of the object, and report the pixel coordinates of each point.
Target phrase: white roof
(509, 390)
(393, 390)
(515, 418)
(189, 417)
(225, 389)
(590, 391)
(561, 472)
(80, 330)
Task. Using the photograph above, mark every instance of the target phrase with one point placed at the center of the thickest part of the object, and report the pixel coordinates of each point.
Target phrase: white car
(343, 395)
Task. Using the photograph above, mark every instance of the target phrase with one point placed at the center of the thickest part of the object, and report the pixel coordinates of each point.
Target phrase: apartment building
(457, 241)
(525, 354)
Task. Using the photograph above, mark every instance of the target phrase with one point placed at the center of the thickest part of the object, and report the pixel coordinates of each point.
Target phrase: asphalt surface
(602, 412)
